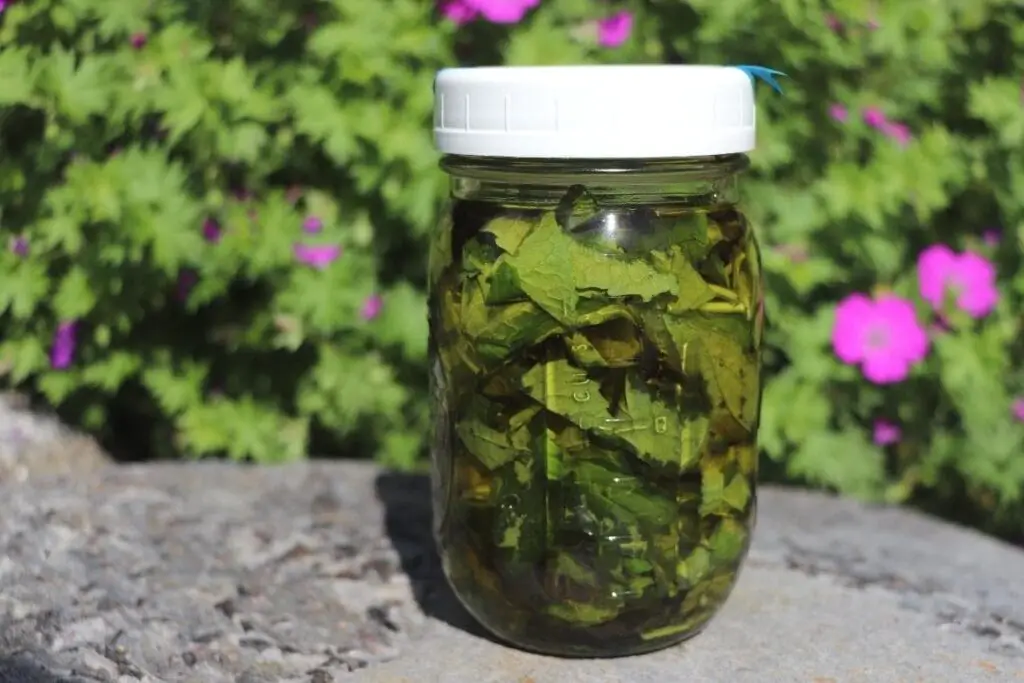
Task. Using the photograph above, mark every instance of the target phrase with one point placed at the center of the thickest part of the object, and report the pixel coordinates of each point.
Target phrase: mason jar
(595, 304)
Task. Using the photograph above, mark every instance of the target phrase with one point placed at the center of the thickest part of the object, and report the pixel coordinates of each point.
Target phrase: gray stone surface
(34, 443)
(215, 573)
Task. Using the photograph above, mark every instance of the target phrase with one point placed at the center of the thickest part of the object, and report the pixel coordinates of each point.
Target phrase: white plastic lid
(594, 112)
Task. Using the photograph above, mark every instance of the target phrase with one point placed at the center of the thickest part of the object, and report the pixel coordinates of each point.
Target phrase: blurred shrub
(217, 213)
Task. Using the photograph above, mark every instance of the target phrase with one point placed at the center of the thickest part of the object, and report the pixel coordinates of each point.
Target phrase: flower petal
(935, 265)
(62, 352)
(614, 30)
(318, 256)
(884, 367)
(312, 224)
(908, 339)
(371, 307)
(874, 117)
(502, 11)
(853, 314)
(977, 278)
(886, 433)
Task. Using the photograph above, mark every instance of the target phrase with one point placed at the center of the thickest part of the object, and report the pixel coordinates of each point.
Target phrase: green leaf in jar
(494, 438)
(555, 270)
(610, 494)
(497, 332)
(614, 344)
(695, 567)
(509, 231)
(503, 285)
(691, 290)
(583, 613)
(654, 430)
(599, 274)
(544, 266)
(719, 498)
(728, 542)
(732, 373)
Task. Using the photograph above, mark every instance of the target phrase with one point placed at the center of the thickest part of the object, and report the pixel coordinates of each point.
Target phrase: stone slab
(324, 572)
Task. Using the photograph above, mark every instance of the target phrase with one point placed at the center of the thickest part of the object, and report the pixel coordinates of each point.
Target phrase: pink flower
(312, 225)
(138, 40)
(613, 31)
(63, 350)
(992, 237)
(4, 4)
(318, 256)
(969, 277)
(1018, 408)
(833, 23)
(839, 113)
(882, 336)
(874, 117)
(458, 11)
(495, 11)
(371, 307)
(897, 131)
(886, 433)
(211, 230)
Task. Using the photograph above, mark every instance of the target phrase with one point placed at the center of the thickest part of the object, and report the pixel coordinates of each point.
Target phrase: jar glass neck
(543, 182)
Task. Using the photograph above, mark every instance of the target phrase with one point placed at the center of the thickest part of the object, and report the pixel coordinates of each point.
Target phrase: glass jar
(595, 330)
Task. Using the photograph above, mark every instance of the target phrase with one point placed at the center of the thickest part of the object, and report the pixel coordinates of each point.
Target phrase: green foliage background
(229, 107)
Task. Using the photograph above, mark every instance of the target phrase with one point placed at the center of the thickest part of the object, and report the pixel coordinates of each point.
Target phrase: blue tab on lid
(764, 73)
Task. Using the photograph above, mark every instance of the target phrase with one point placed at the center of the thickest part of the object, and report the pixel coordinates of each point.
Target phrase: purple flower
(1018, 408)
(138, 40)
(318, 256)
(371, 307)
(969, 277)
(833, 22)
(211, 230)
(63, 350)
(992, 237)
(312, 225)
(613, 31)
(839, 113)
(886, 433)
(187, 279)
(19, 244)
(4, 4)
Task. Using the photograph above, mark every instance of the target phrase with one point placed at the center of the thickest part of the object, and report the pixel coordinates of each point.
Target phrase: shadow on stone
(408, 519)
(21, 669)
